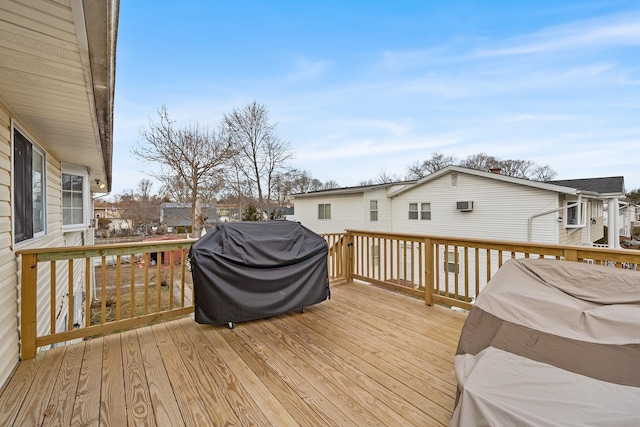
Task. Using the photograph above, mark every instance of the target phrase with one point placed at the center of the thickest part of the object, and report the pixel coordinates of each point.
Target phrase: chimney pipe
(495, 170)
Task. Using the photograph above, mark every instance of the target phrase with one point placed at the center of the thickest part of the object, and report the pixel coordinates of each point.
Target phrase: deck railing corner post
(28, 299)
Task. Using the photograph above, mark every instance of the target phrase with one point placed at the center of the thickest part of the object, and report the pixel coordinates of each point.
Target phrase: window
(451, 262)
(413, 211)
(75, 198)
(574, 214)
(373, 210)
(425, 210)
(324, 211)
(28, 189)
(454, 179)
(423, 214)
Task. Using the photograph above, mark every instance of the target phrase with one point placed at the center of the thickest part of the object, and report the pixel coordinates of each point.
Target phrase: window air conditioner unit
(464, 206)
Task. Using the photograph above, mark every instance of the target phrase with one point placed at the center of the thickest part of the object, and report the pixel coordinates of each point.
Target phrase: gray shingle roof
(607, 185)
(179, 214)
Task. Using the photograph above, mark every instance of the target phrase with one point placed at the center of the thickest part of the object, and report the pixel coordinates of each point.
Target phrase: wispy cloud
(306, 70)
(620, 30)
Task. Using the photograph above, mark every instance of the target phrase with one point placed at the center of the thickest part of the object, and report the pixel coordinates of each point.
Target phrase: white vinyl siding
(501, 209)
(348, 211)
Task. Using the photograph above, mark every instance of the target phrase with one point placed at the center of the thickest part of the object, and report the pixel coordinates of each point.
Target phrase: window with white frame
(29, 198)
(413, 211)
(454, 179)
(324, 211)
(574, 214)
(425, 211)
(75, 198)
(373, 210)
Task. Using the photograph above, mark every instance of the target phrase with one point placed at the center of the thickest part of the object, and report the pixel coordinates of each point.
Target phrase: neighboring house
(228, 212)
(113, 212)
(57, 75)
(456, 201)
(178, 219)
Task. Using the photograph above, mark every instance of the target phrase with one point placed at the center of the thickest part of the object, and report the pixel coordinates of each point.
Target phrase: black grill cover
(250, 270)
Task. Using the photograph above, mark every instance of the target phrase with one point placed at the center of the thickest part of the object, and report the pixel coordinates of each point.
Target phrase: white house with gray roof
(462, 202)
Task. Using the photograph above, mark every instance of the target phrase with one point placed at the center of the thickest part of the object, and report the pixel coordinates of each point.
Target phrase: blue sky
(360, 87)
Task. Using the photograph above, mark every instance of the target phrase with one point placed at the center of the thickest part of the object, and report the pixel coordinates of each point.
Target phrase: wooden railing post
(348, 251)
(571, 255)
(28, 299)
(428, 272)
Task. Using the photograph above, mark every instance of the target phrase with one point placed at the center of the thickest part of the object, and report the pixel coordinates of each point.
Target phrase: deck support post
(28, 298)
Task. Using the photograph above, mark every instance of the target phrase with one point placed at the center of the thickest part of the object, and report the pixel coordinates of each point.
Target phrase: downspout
(530, 220)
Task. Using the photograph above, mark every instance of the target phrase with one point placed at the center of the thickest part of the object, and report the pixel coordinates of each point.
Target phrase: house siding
(384, 210)
(9, 349)
(501, 210)
(346, 212)
(10, 263)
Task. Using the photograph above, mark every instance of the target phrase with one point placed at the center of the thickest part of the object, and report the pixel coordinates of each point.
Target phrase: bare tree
(384, 177)
(190, 159)
(262, 154)
(543, 173)
(481, 161)
(140, 208)
(437, 161)
(328, 185)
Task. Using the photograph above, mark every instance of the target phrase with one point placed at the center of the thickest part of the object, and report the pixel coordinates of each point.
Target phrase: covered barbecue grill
(251, 270)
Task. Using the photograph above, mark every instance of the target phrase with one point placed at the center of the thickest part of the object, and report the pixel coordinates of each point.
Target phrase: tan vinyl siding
(9, 349)
(10, 264)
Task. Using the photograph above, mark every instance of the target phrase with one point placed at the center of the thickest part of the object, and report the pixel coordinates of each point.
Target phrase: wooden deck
(367, 356)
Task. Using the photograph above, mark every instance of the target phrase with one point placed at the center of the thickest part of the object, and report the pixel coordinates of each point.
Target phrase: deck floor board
(367, 356)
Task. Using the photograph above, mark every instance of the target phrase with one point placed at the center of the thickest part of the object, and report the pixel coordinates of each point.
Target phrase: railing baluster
(158, 281)
(103, 293)
(147, 262)
(87, 290)
(132, 290)
(118, 287)
(52, 297)
(70, 303)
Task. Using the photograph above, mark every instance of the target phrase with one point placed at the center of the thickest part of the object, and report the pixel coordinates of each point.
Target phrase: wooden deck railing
(156, 286)
(449, 270)
(134, 290)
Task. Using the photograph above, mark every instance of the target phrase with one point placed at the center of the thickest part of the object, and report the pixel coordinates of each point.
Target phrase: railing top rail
(128, 248)
(494, 244)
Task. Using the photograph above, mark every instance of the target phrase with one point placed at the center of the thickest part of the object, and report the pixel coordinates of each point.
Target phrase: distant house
(457, 201)
(178, 219)
(228, 212)
(57, 80)
(113, 212)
